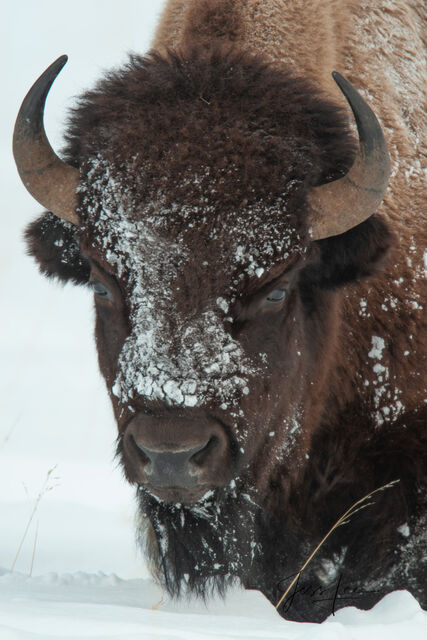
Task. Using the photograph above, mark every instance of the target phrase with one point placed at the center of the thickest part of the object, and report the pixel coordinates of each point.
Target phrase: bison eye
(275, 296)
(273, 300)
(101, 291)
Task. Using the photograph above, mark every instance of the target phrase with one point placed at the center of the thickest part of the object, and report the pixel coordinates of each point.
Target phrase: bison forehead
(179, 349)
(199, 233)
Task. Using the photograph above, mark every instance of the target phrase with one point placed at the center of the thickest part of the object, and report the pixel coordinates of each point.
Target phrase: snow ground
(55, 412)
(93, 606)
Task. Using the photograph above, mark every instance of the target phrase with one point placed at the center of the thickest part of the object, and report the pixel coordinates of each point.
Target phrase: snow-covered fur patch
(178, 353)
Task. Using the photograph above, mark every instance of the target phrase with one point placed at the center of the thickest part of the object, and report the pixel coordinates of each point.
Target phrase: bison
(257, 266)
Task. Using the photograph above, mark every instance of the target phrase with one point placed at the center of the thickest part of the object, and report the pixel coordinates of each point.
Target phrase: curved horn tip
(56, 67)
(338, 77)
(58, 64)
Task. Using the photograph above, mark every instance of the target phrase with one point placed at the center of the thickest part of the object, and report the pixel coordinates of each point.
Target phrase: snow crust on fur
(179, 358)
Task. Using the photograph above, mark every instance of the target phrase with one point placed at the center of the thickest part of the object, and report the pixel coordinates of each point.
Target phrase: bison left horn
(50, 180)
(344, 203)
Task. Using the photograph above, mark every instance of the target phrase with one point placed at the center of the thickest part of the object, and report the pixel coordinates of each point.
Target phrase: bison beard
(205, 547)
(220, 541)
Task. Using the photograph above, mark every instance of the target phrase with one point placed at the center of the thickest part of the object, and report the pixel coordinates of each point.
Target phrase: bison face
(216, 311)
(200, 327)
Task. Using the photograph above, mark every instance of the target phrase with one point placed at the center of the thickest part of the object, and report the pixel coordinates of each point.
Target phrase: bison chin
(202, 548)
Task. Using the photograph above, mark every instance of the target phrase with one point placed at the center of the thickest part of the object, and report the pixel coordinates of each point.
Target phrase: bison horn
(50, 180)
(342, 204)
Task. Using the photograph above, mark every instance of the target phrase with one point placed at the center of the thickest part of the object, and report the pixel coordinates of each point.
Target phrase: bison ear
(354, 255)
(52, 242)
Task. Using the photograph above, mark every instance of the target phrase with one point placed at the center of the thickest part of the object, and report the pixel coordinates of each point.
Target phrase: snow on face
(171, 355)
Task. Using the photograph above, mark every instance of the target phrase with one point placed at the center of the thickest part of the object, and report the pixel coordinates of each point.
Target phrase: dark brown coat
(216, 141)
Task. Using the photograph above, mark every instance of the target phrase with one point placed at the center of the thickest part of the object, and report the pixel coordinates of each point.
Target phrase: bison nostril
(199, 458)
(144, 458)
(171, 466)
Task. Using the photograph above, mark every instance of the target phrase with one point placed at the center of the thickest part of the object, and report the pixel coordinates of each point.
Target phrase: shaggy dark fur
(53, 243)
(258, 539)
(261, 133)
(232, 110)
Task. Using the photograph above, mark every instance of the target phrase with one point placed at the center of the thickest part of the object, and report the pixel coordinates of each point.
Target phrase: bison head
(208, 200)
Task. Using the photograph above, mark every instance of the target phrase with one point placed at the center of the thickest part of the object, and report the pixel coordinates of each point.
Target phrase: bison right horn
(342, 204)
(50, 180)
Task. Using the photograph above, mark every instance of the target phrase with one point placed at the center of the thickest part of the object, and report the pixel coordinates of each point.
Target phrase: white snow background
(87, 578)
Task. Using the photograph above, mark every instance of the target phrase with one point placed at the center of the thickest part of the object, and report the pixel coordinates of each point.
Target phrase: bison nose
(174, 468)
(181, 453)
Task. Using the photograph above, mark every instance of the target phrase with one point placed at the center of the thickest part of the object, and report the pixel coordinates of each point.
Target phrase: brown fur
(378, 47)
(348, 345)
